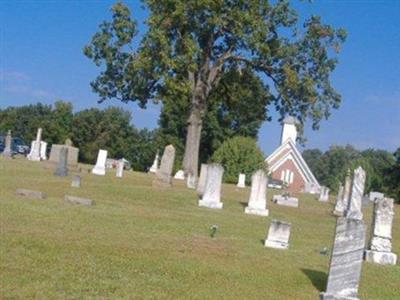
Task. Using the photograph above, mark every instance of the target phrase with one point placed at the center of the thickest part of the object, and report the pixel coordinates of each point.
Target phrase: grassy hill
(141, 243)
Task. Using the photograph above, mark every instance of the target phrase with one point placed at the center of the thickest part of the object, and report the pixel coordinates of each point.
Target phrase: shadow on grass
(317, 278)
(244, 204)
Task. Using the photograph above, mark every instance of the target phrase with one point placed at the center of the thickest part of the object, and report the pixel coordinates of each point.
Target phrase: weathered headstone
(258, 195)
(285, 200)
(357, 191)
(346, 260)
(62, 167)
(340, 205)
(278, 235)
(120, 169)
(100, 167)
(241, 181)
(31, 194)
(373, 196)
(164, 173)
(323, 194)
(380, 249)
(43, 150)
(202, 180)
(154, 167)
(191, 181)
(76, 181)
(7, 152)
(73, 154)
(34, 154)
(212, 191)
(78, 200)
(180, 175)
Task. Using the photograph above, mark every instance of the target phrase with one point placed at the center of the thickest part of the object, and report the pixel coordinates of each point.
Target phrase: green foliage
(392, 178)
(330, 167)
(239, 155)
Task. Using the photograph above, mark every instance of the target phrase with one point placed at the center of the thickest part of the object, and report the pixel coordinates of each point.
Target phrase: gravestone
(7, 152)
(340, 205)
(76, 181)
(380, 249)
(285, 200)
(62, 168)
(154, 167)
(164, 173)
(357, 191)
(120, 169)
(43, 150)
(241, 181)
(73, 154)
(212, 191)
(31, 194)
(346, 260)
(180, 175)
(258, 194)
(347, 192)
(34, 154)
(202, 180)
(278, 235)
(78, 200)
(100, 167)
(191, 181)
(373, 196)
(324, 194)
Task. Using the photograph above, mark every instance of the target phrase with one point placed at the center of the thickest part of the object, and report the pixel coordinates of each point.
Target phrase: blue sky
(41, 60)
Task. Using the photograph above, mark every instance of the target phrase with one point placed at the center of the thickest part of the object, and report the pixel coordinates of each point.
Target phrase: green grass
(141, 243)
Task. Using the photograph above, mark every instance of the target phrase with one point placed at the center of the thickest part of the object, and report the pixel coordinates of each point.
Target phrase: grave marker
(258, 195)
(212, 191)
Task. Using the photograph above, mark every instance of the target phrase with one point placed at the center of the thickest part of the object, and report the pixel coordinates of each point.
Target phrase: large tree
(189, 45)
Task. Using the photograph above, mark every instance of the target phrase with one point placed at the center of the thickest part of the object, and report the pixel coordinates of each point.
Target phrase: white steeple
(289, 129)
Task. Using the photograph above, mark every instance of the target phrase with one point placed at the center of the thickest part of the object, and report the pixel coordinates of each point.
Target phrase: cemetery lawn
(141, 243)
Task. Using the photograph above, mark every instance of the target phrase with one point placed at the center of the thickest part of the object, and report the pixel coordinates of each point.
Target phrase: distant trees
(330, 167)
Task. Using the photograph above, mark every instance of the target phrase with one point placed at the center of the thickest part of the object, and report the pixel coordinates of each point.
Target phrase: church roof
(288, 150)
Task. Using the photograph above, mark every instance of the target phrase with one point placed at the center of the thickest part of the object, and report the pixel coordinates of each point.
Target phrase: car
(18, 145)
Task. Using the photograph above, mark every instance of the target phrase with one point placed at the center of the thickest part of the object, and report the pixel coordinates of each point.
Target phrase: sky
(41, 60)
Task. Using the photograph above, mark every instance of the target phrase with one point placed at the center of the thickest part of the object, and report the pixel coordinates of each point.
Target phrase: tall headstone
(380, 249)
(241, 181)
(62, 168)
(34, 154)
(202, 180)
(258, 195)
(191, 181)
(212, 191)
(154, 167)
(164, 173)
(7, 152)
(278, 235)
(179, 175)
(324, 194)
(347, 191)
(340, 205)
(357, 191)
(43, 150)
(120, 168)
(100, 167)
(346, 260)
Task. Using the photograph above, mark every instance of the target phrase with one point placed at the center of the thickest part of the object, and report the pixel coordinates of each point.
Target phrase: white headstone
(278, 235)
(154, 167)
(285, 200)
(120, 168)
(340, 205)
(100, 167)
(7, 152)
(202, 180)
(34, 154)
(373, 196)
(357, 191)
(324, 194)
(212, 191)
(241, 181)
(180, 175)
(258, 195)
(191, 181)
(43, 150)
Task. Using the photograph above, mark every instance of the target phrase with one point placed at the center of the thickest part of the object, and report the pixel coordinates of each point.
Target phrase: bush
(239, 155)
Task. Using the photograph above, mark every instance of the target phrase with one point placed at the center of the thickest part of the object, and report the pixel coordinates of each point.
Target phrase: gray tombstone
(164, 173)
(202, 180)
(340, 205)
(7, 149)
(76, 181)
(120, 169)
(357, 192)
(78, 200)
(285, 200)
(373, 196)
(31, 194)
(62, 167)
(278, 235)
(346, 260)
(191, 181)
(323, 194)
(212, 191)
(73, 154)
(258, 195)
(380, 249)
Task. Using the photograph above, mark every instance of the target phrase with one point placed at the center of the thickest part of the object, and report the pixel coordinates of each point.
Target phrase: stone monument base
(382, 258)
(326, 296)
(276, 244)
(286, 201)
(215, 205)
(337, 213)
(99, 171)
(256, 211)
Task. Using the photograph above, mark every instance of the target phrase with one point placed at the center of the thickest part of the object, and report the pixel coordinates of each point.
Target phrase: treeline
(382, 167)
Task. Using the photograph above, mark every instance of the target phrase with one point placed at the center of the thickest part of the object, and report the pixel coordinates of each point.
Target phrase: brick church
(287, 164)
